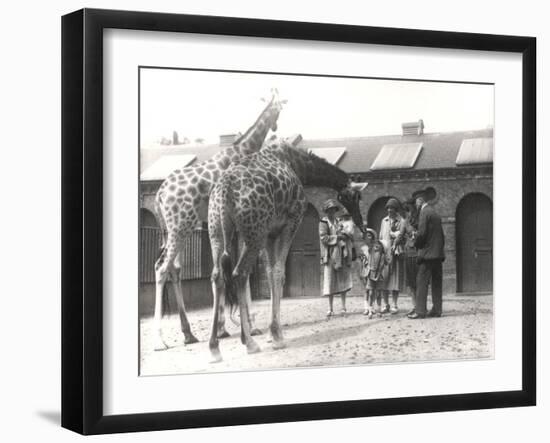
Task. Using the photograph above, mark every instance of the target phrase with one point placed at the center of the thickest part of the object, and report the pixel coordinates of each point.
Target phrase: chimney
(295, 139)
(413, 128)
(228, 139)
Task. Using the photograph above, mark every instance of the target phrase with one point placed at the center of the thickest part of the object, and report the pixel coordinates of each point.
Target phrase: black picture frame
(82, 215)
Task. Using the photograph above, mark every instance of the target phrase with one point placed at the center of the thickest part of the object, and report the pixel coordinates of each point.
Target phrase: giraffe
(262, 199)
(182, 201)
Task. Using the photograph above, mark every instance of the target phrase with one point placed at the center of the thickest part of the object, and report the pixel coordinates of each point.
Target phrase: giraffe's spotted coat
(182, 201)
(262, 198)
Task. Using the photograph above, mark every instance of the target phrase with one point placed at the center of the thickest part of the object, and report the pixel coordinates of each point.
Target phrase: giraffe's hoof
(216, 357)
(253, 348)
(278, 344)
(256, 331)
(160, 345)
(190, 339)
(224, 334)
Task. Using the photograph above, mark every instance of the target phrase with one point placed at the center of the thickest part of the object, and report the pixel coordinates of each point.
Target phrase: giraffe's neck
(251, 141)
(315, 171)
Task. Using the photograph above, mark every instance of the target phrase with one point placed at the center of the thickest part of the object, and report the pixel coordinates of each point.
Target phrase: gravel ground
(465, 331)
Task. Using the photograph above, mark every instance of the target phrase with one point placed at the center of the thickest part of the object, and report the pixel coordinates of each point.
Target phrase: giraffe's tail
(160, 220)
(225, 189)
(230, 291)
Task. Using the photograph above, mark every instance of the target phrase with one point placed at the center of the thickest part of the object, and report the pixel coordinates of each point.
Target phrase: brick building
(459, 165)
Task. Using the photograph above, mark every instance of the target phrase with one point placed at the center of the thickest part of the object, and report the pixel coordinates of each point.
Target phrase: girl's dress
(373, 261)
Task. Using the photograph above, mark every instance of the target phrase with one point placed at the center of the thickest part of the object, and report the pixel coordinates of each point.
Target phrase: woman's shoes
(330, 314)
(394, 310)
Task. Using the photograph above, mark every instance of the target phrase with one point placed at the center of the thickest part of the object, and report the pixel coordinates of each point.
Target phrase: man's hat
(393, 203)
(330, 203)
(426, 194)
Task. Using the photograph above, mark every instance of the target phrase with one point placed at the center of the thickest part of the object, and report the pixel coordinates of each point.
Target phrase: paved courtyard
(465, 331)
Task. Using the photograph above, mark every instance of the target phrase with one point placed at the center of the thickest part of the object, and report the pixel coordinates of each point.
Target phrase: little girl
(373, 260)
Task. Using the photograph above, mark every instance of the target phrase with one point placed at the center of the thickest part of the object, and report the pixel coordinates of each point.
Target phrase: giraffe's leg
(269, 261)
(254, 330)
(217, 290)
(161, 275)
(280, 247)
(278, 278)
(189, 338)
(240, 275)
(173, 246)
(222, 332)
(160, 345)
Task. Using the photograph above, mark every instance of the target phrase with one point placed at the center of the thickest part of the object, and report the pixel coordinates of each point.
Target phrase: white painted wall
(30, 179)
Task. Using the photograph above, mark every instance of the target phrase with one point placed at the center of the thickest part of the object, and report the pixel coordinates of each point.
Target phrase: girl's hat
(371, 231)
(330, 203)
(393, 203)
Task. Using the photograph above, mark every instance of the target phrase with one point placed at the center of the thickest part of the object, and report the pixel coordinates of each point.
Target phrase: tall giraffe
(262, 199)
(182, 202)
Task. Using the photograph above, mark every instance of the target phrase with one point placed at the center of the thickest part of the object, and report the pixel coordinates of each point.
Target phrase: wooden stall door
(474, 225)
(303, 269)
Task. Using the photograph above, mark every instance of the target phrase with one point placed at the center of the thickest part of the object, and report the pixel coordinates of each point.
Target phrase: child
(373, 260)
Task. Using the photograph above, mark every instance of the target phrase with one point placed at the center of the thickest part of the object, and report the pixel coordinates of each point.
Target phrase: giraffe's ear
(358, 186)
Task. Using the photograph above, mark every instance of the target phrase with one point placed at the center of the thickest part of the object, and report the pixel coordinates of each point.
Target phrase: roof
(439, 150)
(397, 156)
(165, 165)
(331, 155)
(475, 151)
(149, 155)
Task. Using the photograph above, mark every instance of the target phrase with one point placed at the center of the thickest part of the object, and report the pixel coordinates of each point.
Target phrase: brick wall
(451, 185)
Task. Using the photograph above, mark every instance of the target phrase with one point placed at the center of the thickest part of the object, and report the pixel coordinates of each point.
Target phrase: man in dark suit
(430, 242)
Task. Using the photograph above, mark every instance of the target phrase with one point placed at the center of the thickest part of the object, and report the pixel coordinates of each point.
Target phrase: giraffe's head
(349, 197)
(273, 109)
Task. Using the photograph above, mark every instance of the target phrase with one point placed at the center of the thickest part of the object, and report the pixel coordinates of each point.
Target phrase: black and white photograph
(273, 222)
(296, 221)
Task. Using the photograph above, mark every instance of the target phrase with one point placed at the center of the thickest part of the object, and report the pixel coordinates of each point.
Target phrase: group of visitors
(410, 243)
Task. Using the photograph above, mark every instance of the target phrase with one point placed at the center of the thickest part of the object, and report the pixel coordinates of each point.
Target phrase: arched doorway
(303, 269)
(474, 244)
(147, 219)
(377, 212)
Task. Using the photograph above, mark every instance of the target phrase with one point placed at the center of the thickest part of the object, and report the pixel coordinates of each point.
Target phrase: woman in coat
(336, 255)
(391, 238)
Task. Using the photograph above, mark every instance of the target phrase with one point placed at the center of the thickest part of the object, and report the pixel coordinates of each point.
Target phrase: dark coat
(430, 240)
